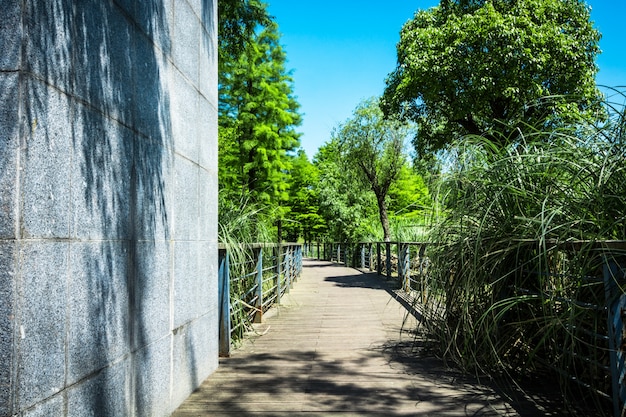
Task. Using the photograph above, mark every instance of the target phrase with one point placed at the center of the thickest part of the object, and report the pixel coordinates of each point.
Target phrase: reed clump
(241, 223)
(516, 286)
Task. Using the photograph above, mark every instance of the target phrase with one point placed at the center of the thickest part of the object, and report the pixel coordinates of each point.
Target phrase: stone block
(187, 282)
(208, 206)
(186, 40)
(155, 18)
(49, 41)
(102, 395)
(207, 70)
(152, 110)
(152, 379)
(184, 116)
(205, 342)
(208, 293)
(207, 120)
(207, 12)
(151, 210)
(42, 321)
(196, 6)
(185, 200)
(152, 292)
(9, 145)
(11, 35)
(98, 308)
(195, 356)
(103, 68)
(46, 161)
(51, 407)
(128, 6)
(8, 274)
(101, 177)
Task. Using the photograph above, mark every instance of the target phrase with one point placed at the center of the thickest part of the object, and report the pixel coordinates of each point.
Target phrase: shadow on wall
(100, 74)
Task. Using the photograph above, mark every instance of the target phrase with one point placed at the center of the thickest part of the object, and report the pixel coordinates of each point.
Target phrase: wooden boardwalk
(336, 347)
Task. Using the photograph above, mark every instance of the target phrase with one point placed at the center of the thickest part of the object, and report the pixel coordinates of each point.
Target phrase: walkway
(335, 347)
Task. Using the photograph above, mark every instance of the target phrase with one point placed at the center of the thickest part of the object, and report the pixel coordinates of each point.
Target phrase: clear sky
(340, 52)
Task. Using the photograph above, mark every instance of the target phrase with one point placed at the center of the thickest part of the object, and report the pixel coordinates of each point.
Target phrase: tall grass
(505, 277)
(241, 223)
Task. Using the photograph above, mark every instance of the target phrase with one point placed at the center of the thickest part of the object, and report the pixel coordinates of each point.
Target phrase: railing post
(338, 253)
(293, 266)
(258, 317)
(224, 300)
(421, 255)
(388, 260)
(297, 266)
(615, 301)
(350, 255)
(288, 269)
(404, 266)
(279, 272)
(318, 250)
(362, 255)
(379, 261)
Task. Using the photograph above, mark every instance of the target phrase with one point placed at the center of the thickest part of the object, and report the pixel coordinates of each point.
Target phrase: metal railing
(251, 282)
(593, 352)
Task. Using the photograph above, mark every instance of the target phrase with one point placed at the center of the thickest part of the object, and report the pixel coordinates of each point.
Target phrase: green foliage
(238, 20)
(371, 149)
(363, 172)
(303, 219)
(408, 196)
(257, 114)
(346, 208)
(480, 67)
(502, 271)
(242, 221)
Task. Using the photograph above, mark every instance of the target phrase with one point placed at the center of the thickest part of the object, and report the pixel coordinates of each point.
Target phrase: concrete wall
(108, 205)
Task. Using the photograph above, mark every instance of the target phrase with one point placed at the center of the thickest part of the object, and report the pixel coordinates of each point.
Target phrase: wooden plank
(337, 345)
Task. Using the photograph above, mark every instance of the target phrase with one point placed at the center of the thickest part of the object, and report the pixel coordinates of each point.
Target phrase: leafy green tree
(258, 116)
(303, 219)
(486, 66)
(346, 209)
(238, 20)
(372, 149)
(408, 195)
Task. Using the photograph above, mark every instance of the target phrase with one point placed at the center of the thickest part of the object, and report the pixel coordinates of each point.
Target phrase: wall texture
(108, 205)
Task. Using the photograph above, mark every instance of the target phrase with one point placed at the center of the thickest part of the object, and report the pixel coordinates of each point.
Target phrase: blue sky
(340, 52)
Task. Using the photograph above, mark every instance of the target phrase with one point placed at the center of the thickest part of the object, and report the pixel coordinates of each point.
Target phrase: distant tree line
(356, 184)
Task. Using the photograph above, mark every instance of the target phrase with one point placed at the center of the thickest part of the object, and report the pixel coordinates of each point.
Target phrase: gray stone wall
(108, 205)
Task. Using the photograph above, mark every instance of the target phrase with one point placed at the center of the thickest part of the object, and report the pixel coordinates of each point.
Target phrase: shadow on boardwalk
(340, 344)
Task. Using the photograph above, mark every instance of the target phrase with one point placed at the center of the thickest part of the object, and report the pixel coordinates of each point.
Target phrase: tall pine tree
(258, 116)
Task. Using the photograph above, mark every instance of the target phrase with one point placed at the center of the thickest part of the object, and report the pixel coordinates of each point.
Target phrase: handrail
(410, 265)
(250, 287)
(257, 245)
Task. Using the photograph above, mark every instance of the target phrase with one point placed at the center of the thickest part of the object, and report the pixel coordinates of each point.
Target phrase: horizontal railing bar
(225, 246)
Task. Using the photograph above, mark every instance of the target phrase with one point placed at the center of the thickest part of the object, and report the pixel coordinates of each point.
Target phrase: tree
(487, 66)
(372, 148)
(303, 218)
(238, 20)
(258, 115)
(347, 210)
(408, 195)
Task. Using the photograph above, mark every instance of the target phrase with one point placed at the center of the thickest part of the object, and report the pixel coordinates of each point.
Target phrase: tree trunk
(384, 218)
